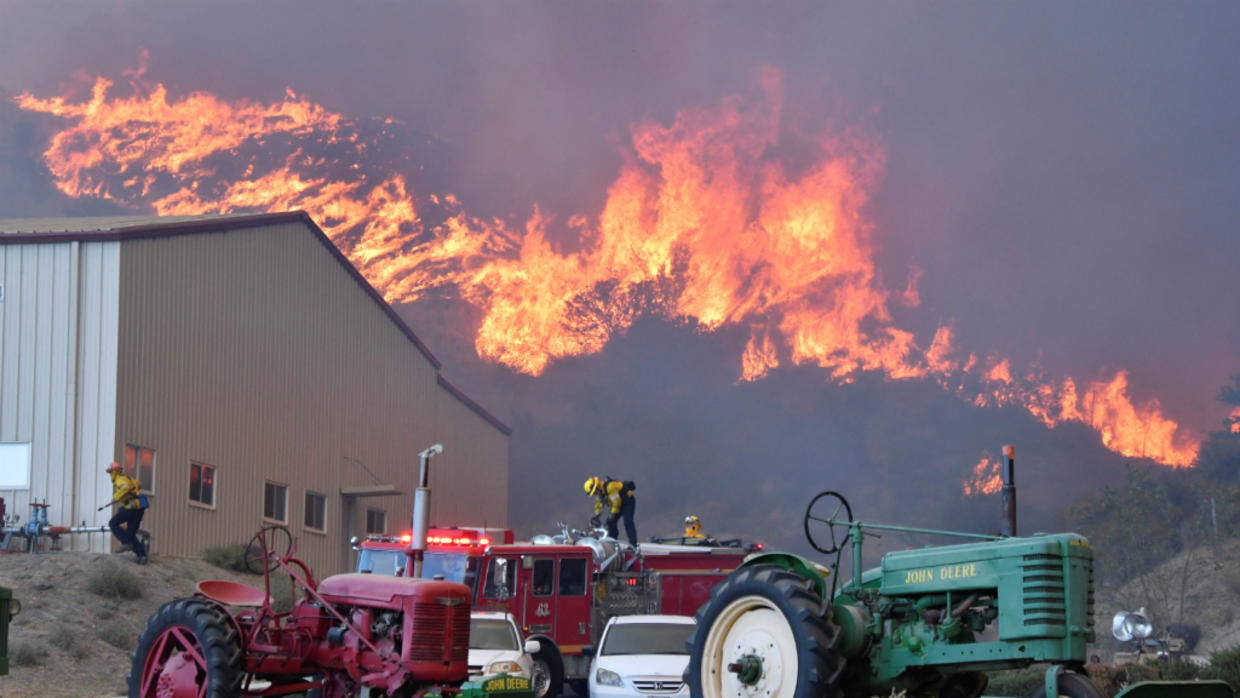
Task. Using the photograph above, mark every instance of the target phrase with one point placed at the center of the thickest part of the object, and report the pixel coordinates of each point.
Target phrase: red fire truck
(562, 589)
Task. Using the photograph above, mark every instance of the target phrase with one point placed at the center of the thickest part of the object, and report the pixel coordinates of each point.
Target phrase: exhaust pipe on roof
(421, 513)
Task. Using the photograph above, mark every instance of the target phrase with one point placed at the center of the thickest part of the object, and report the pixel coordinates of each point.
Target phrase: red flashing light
(484, 541)
(407, 538)
(631, 581)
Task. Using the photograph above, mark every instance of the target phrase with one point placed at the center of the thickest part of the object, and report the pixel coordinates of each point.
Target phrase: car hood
(628, 665)
(484, 657)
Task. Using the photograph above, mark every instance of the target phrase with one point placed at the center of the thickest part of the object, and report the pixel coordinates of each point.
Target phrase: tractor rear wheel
(1073, 686)
(764, 633)
(189, 648)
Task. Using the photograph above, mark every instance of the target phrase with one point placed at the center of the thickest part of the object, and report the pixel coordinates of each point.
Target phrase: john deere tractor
(927, 622)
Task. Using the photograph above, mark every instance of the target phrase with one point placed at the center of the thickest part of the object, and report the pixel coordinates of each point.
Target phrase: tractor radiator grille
(440, 633)
(1089, 607)
(1043, 590)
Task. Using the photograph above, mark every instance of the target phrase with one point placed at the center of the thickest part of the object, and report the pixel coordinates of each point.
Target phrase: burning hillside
(709, 222)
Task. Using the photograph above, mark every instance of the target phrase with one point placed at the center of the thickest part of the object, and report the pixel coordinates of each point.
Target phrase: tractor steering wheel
(271, 543)
(831, 521)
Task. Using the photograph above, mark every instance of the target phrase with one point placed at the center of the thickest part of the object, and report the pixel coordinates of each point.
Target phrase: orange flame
(1234, 419)
(704, 224)
(986, 477)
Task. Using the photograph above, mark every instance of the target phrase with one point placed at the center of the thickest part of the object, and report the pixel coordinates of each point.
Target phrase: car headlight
(605, 677)
(503, 668)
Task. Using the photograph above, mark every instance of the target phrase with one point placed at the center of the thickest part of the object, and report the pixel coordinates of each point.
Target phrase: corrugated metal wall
(58, 329)
(469, 481)
(255, 352)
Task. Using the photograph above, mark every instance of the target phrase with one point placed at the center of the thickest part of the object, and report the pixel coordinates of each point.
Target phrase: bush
(229, 557)
(1016, 682)
(29, 655)
(112, 581)
(1225, 665)
(117, 636)
(62, 638)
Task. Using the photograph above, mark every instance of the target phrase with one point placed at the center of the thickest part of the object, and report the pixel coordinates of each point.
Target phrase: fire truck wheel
(546, 676)
(1073, 685)
(189, 647)
(764, 632)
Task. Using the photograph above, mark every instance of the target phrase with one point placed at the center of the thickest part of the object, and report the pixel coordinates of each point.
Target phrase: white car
(496, 646)
(641, 655)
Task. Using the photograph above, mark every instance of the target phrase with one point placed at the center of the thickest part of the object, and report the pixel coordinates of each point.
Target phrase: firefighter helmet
(114, 467)
(592, 485)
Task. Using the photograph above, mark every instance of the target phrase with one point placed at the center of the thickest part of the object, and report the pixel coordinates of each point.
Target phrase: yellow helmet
(591, 485)
(691, 519)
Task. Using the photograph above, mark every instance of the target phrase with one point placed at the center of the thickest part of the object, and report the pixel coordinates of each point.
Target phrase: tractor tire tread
(214, 631)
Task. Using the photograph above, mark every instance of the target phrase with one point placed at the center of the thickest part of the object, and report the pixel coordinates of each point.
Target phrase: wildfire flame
(704, 224)
(1234, 420)
(986, 477)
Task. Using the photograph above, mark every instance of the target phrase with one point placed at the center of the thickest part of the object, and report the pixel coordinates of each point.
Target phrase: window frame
(381, 512)
(306, 511)
(132, 465)
(283, 486)
(215, 478)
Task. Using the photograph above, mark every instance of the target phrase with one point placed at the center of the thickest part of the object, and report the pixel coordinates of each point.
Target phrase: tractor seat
(232, 593)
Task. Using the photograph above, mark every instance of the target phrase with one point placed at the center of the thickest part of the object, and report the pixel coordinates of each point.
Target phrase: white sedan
(495, 645)
(641, 655)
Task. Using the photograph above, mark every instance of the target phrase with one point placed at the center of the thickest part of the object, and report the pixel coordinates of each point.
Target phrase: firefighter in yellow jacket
(125, 492)
(618, 497)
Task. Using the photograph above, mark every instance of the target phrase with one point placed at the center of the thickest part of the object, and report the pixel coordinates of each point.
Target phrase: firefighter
(693, 527)
(621, 502)
(125, 492)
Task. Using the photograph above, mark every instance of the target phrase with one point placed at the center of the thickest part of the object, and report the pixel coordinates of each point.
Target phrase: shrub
(1179, 669)
(229, 557)
(29, 655)
(112, 581)
(62, 638)
(1225, 665)
(1016, 682)
(117, 636)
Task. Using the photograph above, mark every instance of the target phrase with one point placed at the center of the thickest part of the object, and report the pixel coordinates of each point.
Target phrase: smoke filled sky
(1059, 178)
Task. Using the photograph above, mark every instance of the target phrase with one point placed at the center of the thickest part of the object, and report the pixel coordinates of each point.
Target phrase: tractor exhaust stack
(421, 513)
(1009, 492)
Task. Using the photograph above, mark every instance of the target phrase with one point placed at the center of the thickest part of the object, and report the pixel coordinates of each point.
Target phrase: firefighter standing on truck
(124, 525)
(618, 497)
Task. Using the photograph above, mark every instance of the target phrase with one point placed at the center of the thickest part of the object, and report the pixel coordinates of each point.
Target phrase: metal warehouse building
(242, 369)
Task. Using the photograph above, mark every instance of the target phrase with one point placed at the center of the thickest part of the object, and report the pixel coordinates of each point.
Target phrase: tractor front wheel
(1073, 686)
(189, 648)
(764, 633)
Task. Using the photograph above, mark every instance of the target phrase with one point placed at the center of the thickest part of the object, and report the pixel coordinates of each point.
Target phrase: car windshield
(647, 638)
(381, 561)
(491, 634)
(454, 567)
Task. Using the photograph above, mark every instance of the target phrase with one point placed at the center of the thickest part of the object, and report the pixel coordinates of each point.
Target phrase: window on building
(275, 502)
(376, 521)
(316, 512)
(544, 577)
(140, 465)
(202, 484)
(573, 577)
(15, 466)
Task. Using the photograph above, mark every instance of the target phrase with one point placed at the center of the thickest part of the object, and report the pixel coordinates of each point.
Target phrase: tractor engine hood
(389, 592)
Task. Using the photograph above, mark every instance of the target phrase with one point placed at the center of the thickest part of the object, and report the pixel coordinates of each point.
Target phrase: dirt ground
(77, 632)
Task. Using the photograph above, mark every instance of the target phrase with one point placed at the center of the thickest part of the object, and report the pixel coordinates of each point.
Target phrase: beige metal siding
(58, 326)
(256, 352)
(469, 481)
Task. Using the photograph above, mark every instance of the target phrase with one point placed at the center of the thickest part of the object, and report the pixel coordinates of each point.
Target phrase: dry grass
(111, 580)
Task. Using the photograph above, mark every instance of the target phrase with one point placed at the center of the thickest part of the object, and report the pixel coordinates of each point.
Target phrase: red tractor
(349, 634)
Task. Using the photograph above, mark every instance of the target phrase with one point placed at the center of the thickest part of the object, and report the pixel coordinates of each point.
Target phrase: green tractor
(9, 607)
(926, 622)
